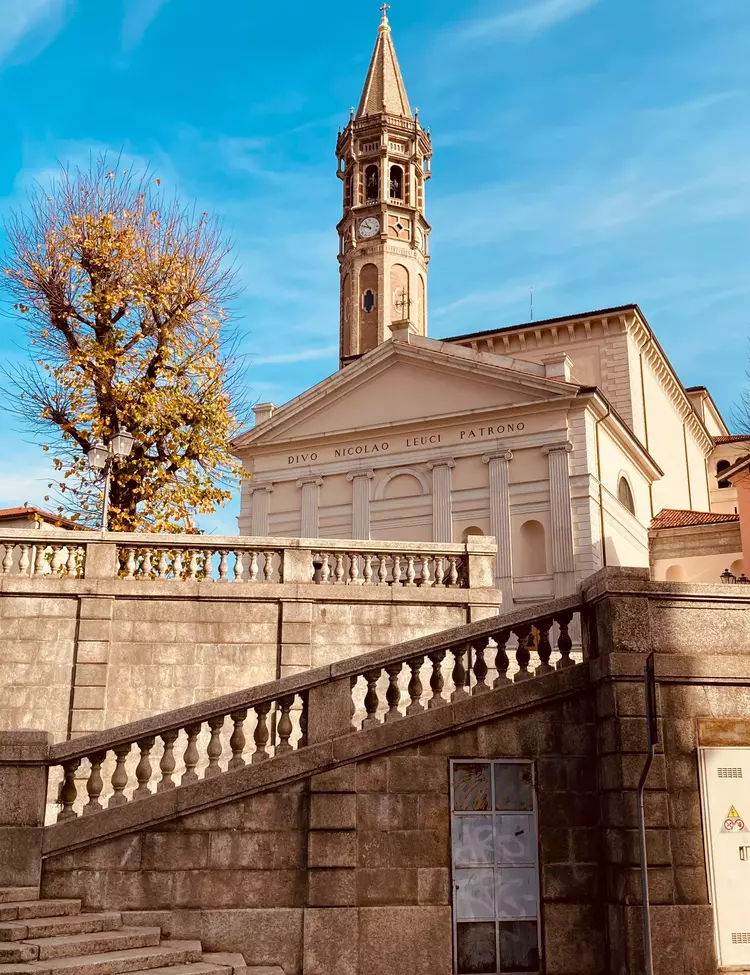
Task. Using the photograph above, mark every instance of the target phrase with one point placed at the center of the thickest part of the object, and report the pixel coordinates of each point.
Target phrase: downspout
(601, 490)
(645, 433)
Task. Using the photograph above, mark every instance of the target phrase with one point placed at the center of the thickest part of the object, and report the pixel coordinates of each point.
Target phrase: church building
(563, 439)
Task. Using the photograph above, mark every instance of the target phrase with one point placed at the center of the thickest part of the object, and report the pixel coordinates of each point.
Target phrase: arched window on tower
(625, 495)
(723, 465)
(372, 184)
(397, 183)
(348, 191)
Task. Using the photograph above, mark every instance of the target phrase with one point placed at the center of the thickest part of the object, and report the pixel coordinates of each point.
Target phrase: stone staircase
(53, 937)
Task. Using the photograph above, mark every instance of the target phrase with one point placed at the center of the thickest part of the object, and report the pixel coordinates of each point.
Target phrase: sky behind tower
(595, 150)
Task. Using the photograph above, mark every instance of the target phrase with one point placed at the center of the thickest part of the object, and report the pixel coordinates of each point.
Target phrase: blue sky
(596, 149)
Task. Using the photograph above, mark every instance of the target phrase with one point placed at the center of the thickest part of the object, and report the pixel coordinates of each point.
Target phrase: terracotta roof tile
(674, 518)
(733, 438)
(30, 511)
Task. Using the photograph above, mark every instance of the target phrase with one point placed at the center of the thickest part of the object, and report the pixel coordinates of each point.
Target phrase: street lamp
(99, 456)
(727, 577)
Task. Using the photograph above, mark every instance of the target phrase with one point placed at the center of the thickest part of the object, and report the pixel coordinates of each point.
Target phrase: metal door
(725, 779)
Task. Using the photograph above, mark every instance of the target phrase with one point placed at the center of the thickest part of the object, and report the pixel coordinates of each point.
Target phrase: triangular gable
(400, 383)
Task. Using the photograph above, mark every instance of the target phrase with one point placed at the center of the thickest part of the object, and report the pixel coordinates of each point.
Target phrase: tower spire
(384, 89)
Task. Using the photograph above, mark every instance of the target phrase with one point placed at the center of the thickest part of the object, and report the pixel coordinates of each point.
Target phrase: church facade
(563, 438)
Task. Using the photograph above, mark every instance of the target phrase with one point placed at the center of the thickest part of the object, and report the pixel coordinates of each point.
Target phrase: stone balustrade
(370, 690)
(242, 559)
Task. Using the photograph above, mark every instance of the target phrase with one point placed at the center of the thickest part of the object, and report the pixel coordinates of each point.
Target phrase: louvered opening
(741, 937)
(730, 773)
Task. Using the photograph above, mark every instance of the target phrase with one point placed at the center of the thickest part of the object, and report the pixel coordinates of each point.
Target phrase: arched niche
(404, 482)
(532, 558)
(625, 494)
(472, 530)
(676, 573)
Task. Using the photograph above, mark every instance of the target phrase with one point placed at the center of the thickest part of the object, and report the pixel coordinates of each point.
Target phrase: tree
(124, 297)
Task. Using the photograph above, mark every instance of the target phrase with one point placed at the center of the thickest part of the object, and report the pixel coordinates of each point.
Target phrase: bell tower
(383, 162)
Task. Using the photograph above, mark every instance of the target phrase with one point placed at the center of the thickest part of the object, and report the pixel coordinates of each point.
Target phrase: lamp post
(728, 578)
(99, 457)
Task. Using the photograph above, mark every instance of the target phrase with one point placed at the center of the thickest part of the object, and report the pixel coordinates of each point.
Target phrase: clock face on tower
(369, 227)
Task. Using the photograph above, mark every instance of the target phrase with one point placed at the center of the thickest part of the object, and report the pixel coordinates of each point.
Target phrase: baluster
(191, 756)
(285, 724)
(354, 579)
(69, 790)
(424, 576)
(367, 571)
(143, 768)
(303, 721)
(352, 705)
(168, 762)
(564, 643)
(178, 565)
(338, 572)
(261, 733)
(95, 784)
(207, 565)
(371, 698)
(162, 570)
(71, 568)
(239, 565)
(214, 747)
(459, 675)
(325, 569)
(57, 559)
(439, 570)
(119, 777)
(237, 741)
(252, 572)
(193, 564)
(41, 561)
(396, 570)
(410, 572)
(382, 569)
(148, 566)
(544, 649)
(393, 693)
(223, 566)
(268, 566)
(522, 653)
(7, 558)
(130, 563)
(436, 679)
(502, 662)
(452, 571)
(415, 686)
(24, 561)
(480, 665)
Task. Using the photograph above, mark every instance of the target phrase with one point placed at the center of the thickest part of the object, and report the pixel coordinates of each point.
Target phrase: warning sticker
(734, 823)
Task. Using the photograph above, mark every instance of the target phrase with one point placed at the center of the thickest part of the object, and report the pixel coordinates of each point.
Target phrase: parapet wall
(99, 629)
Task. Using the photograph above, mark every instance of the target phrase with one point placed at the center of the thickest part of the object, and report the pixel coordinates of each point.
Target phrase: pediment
(401, 387)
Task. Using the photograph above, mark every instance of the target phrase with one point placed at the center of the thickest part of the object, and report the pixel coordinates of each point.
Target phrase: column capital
(565, 445)
(368, 474)
(444, 462)
(259, 486)
(312, 479)
(497, 455)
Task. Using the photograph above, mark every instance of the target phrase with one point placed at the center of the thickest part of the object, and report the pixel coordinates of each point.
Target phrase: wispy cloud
(525, 19)
(303, 355)
(20, 19)
(139, 15)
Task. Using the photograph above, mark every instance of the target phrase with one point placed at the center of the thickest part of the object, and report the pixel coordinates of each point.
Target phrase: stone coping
(312, 759)
(300, 683)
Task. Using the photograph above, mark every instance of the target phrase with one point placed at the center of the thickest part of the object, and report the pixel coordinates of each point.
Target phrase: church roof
(675, 518)
(384, 89)
(537, 324)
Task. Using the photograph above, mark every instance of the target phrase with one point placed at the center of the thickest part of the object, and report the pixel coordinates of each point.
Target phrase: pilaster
(561, 517)
(260, 505)
(442, 505)
(310, 487)
(361, 503)
(499, 477)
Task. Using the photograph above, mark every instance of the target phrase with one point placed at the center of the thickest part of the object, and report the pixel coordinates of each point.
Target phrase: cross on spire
(384, 10)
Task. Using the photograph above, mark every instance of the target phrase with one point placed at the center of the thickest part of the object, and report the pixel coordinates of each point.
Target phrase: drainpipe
(601, 490)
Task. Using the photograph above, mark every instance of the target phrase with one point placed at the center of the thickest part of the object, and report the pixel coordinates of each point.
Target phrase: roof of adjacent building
(33, 513)
(676, 518)
(733, 438)
(543, 321)
(384, 89)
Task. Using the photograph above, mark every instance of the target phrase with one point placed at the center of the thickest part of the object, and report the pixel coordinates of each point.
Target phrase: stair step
(94, 942)
(56, 927)
(190, 968)
(17, 953)
(15, 894)
(232, 960)
(167, 954)
(21, 910)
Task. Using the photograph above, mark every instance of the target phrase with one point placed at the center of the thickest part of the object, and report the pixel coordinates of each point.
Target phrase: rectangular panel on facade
(495, 868)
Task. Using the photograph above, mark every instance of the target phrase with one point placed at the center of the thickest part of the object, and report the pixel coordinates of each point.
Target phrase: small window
(723, 465)
(372, 183)
(625, 495)
(397, 183)
(368, 300)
